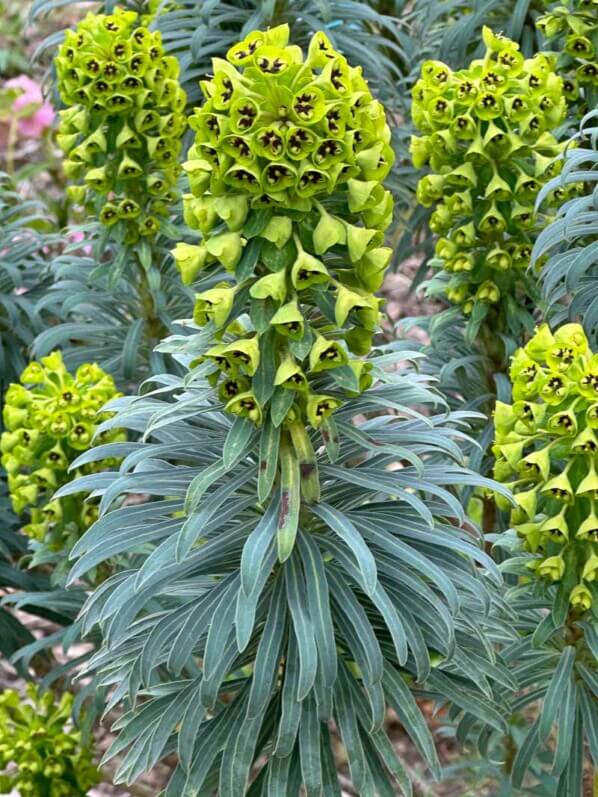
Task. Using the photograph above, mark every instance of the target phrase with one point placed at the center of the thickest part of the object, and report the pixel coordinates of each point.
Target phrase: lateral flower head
(41, 750)
(121, 86)
(52, 417)
(546, 446)
(484, 130)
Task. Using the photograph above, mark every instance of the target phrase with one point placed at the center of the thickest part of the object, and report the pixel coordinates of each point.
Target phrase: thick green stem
(308, 467)
(290, 499)
(155, 328)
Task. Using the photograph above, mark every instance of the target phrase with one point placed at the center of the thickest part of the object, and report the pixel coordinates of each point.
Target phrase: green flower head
(41, 751)
(49, 423)
(546, 444)
(484, 130)
(122, 88)
(286, 191)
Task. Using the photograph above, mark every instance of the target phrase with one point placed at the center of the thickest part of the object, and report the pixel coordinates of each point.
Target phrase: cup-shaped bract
(571, 29)
(49, 420)
(546, 448)
(487, 138)
(123, 122)
(41, 752)
(286, 175)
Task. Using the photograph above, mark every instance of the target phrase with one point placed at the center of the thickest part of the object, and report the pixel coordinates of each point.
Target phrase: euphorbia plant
(121, 130)
(280, 549)
(546, 443)
(286, 172)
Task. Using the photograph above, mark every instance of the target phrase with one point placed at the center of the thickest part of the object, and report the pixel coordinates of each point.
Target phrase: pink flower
(42, 115)
(76, 236)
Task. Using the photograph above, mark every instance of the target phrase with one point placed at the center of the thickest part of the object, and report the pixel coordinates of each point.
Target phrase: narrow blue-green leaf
(267, 660)
(303, 627)
(407, 710)
(221, 626)
(309, 748)
(589, 711)
(288, 725)
(237, 758)
(278, 775)
(554, 695)
(257, 545)
(357, 628)
(330, 784)
(195, 523)
(189, 728)
(318, 601)
(341, 525)
(525, 754)
(268, 459)
(346, 720)
(566, 723)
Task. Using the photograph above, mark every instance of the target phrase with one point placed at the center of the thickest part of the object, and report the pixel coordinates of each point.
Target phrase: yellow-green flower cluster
(121, 131)
(488, 140)
(281, 130)
(546, 447)
(41, 753)
(50, 419)
(286, 176)
(571, 28)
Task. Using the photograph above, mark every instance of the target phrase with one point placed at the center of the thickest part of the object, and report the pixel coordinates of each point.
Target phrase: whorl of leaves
(226, 654)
